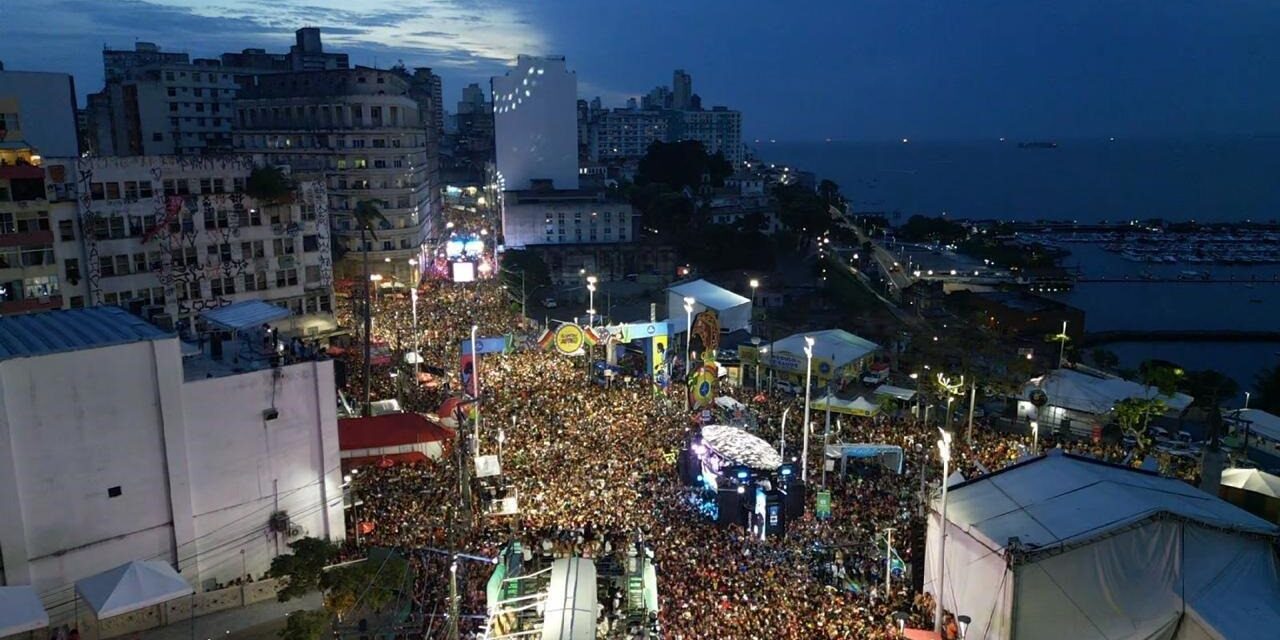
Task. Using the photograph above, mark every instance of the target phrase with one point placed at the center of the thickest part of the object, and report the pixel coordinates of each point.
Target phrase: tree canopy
(269, 185)
(1267, 394)
(682, 164)
(920, 228)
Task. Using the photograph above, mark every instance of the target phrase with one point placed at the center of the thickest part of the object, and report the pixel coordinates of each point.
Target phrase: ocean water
(1210, 179)
(1220, 180)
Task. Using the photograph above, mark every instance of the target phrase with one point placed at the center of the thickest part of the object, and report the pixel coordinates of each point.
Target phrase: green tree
(920, 228)
(1105, 358)
(1134, 415)
(302, 570)
(1161, 375)
(368, 585)
(830, 193)
(1209, 388)
(535, 270)
(269, 185)
(304, 625)
(682, 164)
(803, 210)
(1267, 395)
(367, 218)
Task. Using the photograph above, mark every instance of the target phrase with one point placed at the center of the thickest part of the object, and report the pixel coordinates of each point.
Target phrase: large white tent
(20, 610)
(132, 586)
(1061, 543)
(570, 609)
(733, 310)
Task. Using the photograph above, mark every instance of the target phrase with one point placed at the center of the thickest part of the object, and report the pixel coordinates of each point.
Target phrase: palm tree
(367, 216)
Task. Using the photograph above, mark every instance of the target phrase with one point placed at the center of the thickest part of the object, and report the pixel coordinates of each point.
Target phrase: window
(97, 191)
(157, 295)
(77, 302)
(255, 282)
(40, 286)
(206, 185)
(122, 264)
(222, 286)
(66, 230)
(282, 246)
(309, 212)
(116, 226)
(157, 137)
(111, 298)
(139, 263)
(219, 185)
(198, 92)
(173, 107)
(144, 189)
(286, 277)
(313, 274)
(310, 243)
(106, 266)
(326, 304)
(252, 249)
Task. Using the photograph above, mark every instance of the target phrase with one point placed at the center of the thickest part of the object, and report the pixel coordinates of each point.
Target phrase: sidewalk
(234, 621)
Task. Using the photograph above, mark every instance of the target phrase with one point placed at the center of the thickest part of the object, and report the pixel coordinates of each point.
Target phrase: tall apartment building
(169, 237)
(28, 269)
(681, 90)
(362, 132)
(43, 107)
(167, 109)
(535, 124)
(475, 129)
(624, 134)
(719, 130)
(160, 103)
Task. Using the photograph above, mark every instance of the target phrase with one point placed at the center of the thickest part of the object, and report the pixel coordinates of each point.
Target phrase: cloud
(466, 36)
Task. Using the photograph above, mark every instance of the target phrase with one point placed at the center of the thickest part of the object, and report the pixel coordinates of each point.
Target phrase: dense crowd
(593, 467)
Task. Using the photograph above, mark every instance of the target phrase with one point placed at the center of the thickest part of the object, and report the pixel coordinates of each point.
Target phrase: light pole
(765, 351)
(973, 398)
(688, 331)
(1246, 400)
(1035, 437)
(888, 563)
(782, 450)
(1062, 346)
(413, 297)
(591, 304)
(944, 452)
(475, 382)
(755, 284)
(808, 378)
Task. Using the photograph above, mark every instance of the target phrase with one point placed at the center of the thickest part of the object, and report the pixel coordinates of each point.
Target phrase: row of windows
(199, 92)
(300, 141)
(196, 76)
(354, 115)
(29, 288)
(30, 256)
(23, 221)
(198, 107)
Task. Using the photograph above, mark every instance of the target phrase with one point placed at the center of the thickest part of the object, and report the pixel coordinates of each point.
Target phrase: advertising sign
(822, 505)
(569, 339)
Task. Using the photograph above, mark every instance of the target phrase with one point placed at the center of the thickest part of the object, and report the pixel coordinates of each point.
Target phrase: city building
(1019, 314)
(681, 90)
(156, 102)
(29, 278)
(42, 106)
(362, 132)
(658, 99)
(170, 237)
(474, 142)
(719, 130)
(123, 443)
(625, 134)
(535, 124)
(556, 217)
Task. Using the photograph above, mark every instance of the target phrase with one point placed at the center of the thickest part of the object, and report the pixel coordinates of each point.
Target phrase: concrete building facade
(557, 217)
(29, 279)
(360, 131)
(100, 427)
(623, 134)
(719, 130)
(535, 124)
(170, 237)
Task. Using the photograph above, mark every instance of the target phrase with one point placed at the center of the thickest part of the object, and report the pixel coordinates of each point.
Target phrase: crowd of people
(593, 466)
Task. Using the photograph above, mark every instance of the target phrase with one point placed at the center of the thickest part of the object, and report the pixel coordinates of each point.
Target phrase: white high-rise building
(535, 124)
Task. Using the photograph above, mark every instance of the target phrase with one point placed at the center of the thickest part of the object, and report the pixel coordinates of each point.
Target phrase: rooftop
(38, 334)
(1059, 499)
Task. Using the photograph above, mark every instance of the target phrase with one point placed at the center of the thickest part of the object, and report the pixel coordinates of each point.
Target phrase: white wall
(241, 464)
(78, 423)
(536, 123)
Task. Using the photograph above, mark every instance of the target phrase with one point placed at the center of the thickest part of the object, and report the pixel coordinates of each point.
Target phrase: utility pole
(973, 398)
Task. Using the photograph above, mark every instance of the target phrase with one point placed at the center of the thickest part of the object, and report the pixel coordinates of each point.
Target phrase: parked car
(875, 377)
(788, 387)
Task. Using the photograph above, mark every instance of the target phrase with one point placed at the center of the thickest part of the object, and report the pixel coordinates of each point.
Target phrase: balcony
(43, 303)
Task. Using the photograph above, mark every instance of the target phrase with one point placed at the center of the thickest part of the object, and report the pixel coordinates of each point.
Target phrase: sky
(806, 70)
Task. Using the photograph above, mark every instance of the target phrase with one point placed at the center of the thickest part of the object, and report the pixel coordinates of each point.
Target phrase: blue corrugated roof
(70, 330)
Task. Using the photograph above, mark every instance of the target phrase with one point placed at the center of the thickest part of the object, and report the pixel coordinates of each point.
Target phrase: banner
(499, 344)
(822, 505)
(702, 385)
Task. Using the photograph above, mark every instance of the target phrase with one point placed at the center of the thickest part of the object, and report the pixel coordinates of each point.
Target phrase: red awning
(388, 430)
(384, 461)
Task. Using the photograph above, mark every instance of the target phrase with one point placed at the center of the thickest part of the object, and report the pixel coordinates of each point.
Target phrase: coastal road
(897, 276)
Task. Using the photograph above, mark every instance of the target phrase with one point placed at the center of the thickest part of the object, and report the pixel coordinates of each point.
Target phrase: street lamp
(1246, 400)
(413, 296)
(1035, 437)
(475, 382)
(591, 301)
(755, 284)
(808, 378)
(688, 330)
(888, 563)
(944, 453)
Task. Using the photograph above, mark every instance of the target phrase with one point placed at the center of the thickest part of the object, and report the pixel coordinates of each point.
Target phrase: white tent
(833, 349)
(857, 407)
(1258, 422)
(729, 404)
(895, 392)
(1068, 543)
(1096, 394)
(570, 612)
(733, 310)
(132, 586)
(20, 610)
(1252, 480)
(249, 314)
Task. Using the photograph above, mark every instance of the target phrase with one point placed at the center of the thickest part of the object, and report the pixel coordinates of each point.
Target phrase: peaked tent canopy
(1257, 421)
(249, 314)
(132, 586)
(1252, 480)
(856, 407)
(20, 610)
(1096, 394)
(733, 310)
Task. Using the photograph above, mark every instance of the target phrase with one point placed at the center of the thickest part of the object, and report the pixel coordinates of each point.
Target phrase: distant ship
(1037, 145)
